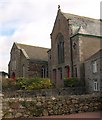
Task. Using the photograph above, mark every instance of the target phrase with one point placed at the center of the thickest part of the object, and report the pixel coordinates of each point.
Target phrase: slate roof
(33, 52)
(98, 54)
(84, 25)
(3, 73)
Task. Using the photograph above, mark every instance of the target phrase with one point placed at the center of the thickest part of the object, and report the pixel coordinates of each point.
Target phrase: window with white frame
(94, 66)
(95, 86)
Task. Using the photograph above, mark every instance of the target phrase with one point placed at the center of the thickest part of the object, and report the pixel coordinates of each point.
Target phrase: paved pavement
(79, 116)
(94, 115)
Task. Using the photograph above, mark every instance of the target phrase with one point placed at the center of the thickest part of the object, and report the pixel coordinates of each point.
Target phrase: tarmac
(85, 115)
(78, 116)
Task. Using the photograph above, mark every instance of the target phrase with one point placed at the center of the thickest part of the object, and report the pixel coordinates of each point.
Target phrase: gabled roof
(3, 73)
(98, 54)
(33, 52)
(83, 25)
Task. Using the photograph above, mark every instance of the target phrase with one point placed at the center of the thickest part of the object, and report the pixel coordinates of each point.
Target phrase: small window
(74, 45)
(24, 70)
(47, 72)
(43, 72)
(94, 67)
(95, 86)
(60, 73)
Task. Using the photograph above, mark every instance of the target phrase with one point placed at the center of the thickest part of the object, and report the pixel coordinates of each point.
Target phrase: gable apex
(79, 24)
(59, 12)
(33, 52)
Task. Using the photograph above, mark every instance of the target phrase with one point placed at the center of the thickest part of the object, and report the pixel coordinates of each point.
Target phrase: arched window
(24, 73)
(43, 72)
(60, 46)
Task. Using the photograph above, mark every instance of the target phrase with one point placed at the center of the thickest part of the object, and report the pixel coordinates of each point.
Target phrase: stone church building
(28, 61)
(74, 39)
(76, 51)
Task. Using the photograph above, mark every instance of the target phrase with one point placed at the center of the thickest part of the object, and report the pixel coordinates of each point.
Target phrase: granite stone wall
(46, 106)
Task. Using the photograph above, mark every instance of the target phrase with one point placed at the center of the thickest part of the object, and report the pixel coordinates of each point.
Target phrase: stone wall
(46, 106)
(90, 76)
(0, 106)
(44, 92)
(35, 68)
(22, 66)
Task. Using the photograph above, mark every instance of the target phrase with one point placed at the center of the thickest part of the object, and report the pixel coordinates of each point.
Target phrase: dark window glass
(43, 72)
(60, 47)
(54, 75)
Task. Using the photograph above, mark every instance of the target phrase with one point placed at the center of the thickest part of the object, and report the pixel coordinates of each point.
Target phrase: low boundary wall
(50, 105)
(44, 92)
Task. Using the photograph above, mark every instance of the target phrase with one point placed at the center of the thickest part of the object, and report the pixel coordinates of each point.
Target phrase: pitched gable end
(25, 54)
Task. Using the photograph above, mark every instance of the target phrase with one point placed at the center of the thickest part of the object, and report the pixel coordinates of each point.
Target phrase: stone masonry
(46, 106)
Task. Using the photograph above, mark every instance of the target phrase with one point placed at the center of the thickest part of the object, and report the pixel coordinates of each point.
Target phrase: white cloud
(33, 34)
(88, 8)
(4, 51)
(4, 44)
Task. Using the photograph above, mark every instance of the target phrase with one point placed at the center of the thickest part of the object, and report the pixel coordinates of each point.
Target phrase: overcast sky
(31, 21)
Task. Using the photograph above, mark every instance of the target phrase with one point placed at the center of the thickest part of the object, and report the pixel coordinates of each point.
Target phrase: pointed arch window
(24, 71)
(60, 47)
(43, 72)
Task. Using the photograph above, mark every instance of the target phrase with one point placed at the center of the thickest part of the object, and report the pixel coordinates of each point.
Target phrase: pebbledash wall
(46, 106)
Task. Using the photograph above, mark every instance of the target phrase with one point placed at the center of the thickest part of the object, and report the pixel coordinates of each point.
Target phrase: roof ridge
(30, 45)
(85, 17)
(33, 52)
